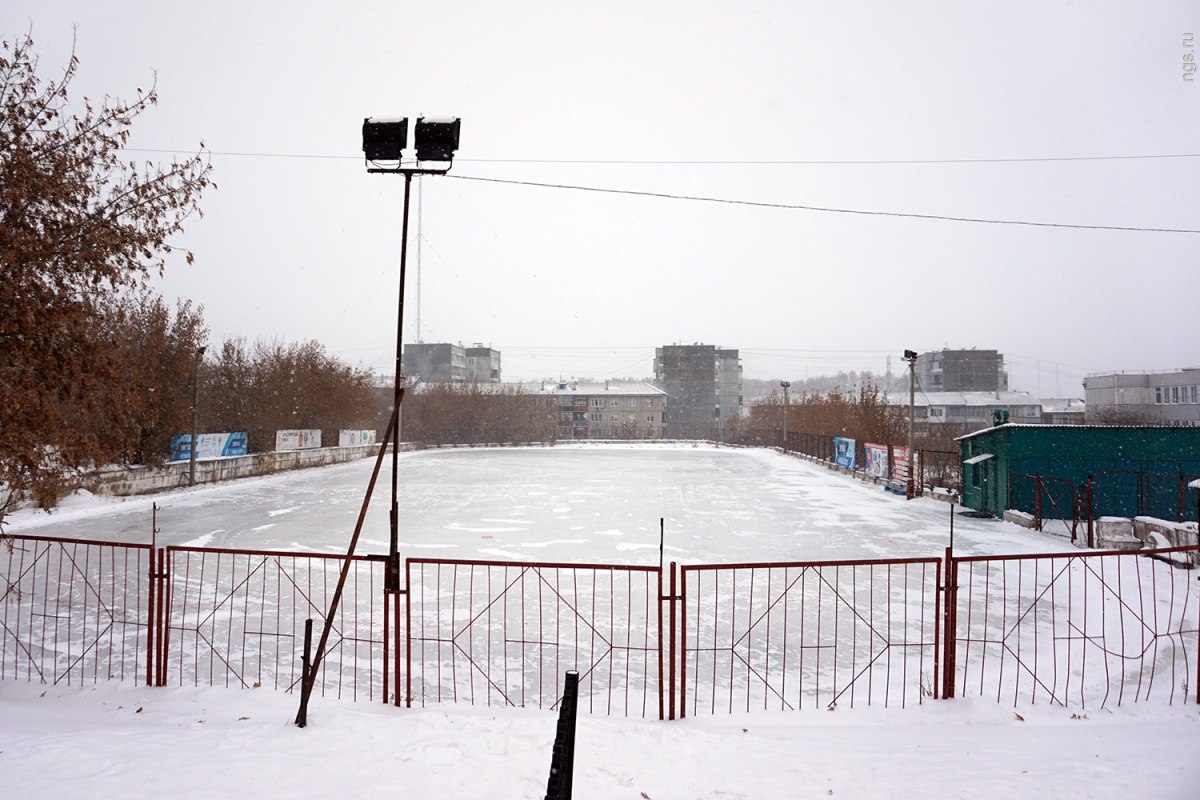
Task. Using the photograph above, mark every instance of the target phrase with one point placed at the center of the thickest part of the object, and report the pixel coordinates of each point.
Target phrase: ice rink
(566, 503)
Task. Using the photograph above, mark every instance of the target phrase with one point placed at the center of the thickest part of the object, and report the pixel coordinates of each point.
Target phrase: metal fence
(75, 612)
(1084, 629)
(494, 632)
(1088, 629)
(816, 634)
(236, 618)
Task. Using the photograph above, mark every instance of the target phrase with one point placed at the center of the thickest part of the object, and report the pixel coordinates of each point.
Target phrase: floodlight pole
(392, 578)
(911, 358)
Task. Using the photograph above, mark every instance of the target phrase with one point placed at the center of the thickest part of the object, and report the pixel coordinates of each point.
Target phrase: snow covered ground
(574, 504)
(117, 741)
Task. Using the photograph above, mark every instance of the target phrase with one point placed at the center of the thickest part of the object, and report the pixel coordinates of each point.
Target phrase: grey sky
(586, 284)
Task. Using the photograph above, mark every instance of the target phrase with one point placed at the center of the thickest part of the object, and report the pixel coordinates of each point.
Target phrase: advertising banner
(297, 440)
(209, 446)
(900, 457)
(876, 455)
(352, 438)
(844, 452)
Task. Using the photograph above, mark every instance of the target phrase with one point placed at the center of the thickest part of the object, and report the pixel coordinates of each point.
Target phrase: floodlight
(910, 354)
(384, 139)
(436, 138)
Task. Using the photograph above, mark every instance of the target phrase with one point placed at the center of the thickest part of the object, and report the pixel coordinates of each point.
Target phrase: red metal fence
(813, 634)
(74, 611)
(236, 618)
(494, 632)
(1083, 628)
(1086, 629)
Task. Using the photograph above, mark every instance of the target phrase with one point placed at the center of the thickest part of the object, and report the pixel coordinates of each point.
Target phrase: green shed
(1133, 470)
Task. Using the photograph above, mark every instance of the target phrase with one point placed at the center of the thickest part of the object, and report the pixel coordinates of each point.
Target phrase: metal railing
(1092, 629)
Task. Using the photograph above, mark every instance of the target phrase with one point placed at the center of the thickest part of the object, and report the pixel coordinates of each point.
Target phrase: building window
(1158, 395)
(597, 417)
(633, 402)
(650, 419)
(1195, 390)
(597, 402)
(1174, 394)
(614, 402)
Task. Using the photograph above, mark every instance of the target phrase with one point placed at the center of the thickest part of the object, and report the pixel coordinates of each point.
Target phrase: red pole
(671, 649)
(150, 609)
(661, 687)
(387, 611)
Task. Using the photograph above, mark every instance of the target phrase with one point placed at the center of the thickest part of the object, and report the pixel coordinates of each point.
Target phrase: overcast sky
(1019, 111)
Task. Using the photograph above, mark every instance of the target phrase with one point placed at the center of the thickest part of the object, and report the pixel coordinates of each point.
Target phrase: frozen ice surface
(567, 503)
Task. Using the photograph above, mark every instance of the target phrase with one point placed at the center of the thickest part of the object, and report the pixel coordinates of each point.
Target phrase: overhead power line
(823, 209)
(711, 162)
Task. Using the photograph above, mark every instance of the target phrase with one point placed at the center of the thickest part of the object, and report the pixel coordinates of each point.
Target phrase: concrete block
(1018, 518)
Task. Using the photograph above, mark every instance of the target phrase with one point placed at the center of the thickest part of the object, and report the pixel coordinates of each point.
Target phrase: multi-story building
(483, 364)
(959, 413)
(704, 387)
(1163, 398)
(961, 371)
(451, 363)
(608, 410)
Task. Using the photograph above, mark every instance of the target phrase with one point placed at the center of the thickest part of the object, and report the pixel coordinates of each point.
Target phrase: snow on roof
(1057, 405)
(611, 388)
(1064, 427)
(923, 398)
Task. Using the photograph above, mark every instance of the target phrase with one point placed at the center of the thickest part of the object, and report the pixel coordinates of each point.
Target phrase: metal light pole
(385, 140)
(786, 385)
(911, 357)
(195, 415)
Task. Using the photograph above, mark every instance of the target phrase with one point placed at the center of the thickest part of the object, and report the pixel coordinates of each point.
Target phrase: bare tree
(78, 225)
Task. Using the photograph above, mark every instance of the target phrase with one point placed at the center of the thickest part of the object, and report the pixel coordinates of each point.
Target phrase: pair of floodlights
(386, 138)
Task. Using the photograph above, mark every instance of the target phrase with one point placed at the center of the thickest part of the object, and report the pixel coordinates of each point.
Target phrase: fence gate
(236, 618)
(74, 611)
(495, 632)
(799, 635)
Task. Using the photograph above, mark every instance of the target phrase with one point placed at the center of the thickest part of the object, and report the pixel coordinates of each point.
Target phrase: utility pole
(911, 357)
(195, 415)
(786, 385)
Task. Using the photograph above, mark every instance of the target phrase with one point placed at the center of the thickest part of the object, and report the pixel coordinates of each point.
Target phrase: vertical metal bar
(387, 634)
(305, 683)
(407, 641)
(671, 650)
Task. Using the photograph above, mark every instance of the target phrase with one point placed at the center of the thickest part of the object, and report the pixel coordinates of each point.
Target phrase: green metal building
(1132, 470)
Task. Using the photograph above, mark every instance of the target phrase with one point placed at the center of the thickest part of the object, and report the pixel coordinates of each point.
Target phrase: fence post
(305, 668)
(162, 630)
(1037, 501)
(562, 759)
(1091, 515)
(671, 648)
(950, 622)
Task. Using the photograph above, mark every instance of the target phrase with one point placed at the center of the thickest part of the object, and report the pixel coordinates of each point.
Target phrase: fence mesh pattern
(499, 633)
(791, 636)
(74, 612)
(1085, 630)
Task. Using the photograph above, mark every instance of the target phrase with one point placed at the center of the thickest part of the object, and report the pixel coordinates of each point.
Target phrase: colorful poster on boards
(900, 458)
(209, 446)
(353, 438)
(877, 462)
(297, 440)
(844, 454)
